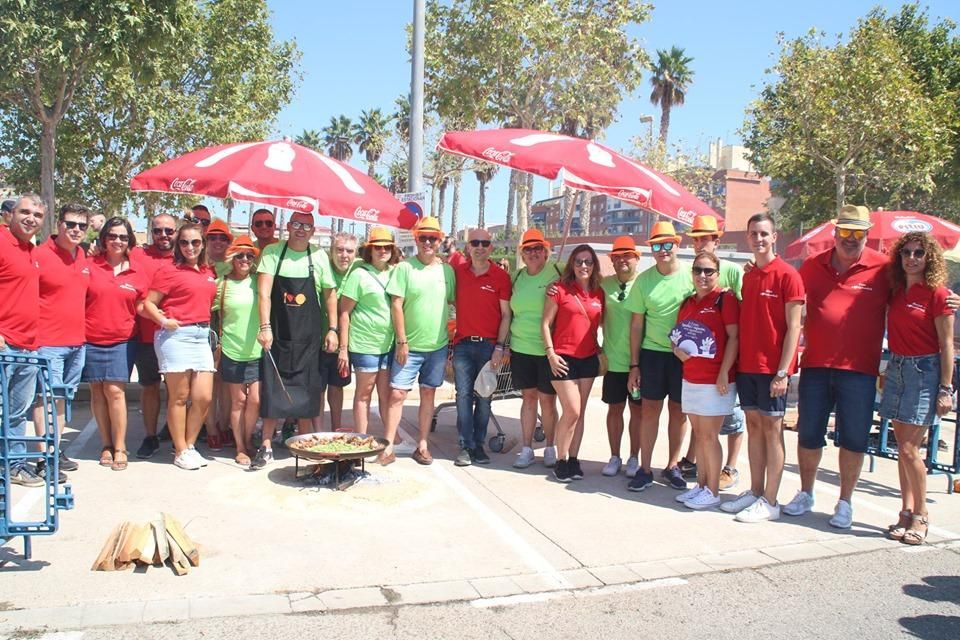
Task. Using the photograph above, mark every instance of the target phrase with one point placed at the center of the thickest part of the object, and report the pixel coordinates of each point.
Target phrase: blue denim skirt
(910, 389)
(109, 363)
(184, 349)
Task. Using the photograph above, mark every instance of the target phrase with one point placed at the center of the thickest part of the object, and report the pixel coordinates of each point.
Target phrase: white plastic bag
(486, 382)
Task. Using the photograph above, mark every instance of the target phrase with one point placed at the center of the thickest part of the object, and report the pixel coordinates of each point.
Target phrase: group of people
(247, 329)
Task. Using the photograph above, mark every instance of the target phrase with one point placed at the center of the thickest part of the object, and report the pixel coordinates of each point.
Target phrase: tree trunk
(48, 161)
(585, 222)
(566, 209)
(481, 204)
(523, 219)
(664, 122)
(441, 201)
(455, 206)
(841, 179)
(371, 168)
(229, 204)
(511, 202)
(529, 196)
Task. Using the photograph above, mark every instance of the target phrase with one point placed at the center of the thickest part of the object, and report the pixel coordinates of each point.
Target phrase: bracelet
(401, 342)
(635, 365)
(946, 389)
(334, 329)
(265, 330)
(548, 349)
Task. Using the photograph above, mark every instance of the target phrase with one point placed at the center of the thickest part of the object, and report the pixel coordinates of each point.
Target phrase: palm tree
(402, 118)
(484, 172)
(398, 176)
(370, 136)
(337, 138)
(671, 77)
(310, 138)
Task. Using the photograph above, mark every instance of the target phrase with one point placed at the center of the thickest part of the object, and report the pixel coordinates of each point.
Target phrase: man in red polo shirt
(483, 322)
(20, 282)
(847, 293)
(64, 277)
(149, 259)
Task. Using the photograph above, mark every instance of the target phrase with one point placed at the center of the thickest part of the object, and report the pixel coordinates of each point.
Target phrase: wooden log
(180, 537)
(131, 544)
(117, 563)
(178, 560)
(163, 547)
(148, 545)
(104, 561)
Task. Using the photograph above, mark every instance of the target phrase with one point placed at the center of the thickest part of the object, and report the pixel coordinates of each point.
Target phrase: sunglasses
(122, 237)
(426, 239)
(657, 247)
(480, 243)
(623, 292)
(264, 223)
(859, 234)
(301, 226)
(72, 224)
(704, 271)
(534, 249)
(249, 257)
(913, 253)
(382, 247)
(217, 237)
(163, 231)
(583, 262)
(196, 244)
(195, 220)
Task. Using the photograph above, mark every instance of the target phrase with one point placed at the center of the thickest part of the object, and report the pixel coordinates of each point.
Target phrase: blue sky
(354, 58)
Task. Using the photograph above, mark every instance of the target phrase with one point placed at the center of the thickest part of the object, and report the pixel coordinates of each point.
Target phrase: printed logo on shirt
(596, 304)
(769, 293)
(487, 288)
(916, 306)
(128, 287)
(211, 279)
(85, 270)
(862, 286)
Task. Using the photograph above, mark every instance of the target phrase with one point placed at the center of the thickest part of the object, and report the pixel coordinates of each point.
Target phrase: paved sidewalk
(410, 534)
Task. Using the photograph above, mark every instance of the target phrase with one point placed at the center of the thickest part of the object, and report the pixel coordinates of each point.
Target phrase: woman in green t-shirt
(366, 328)
(240, 352)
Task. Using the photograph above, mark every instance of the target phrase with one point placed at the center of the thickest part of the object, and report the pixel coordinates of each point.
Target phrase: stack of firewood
(151, 543)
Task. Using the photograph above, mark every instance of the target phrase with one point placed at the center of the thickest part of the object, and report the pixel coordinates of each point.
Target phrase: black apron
(296, 319)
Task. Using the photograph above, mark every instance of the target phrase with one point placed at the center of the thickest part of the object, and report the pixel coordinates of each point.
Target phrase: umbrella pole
(566, 225)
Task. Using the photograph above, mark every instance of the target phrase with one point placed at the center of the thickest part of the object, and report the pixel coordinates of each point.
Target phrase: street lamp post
(648, 120)
(415, 167)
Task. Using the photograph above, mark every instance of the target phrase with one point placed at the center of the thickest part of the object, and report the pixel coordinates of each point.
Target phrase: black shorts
(579, 368)
(661, 375)
(148, 369)
(531, 372)
(754, 392)
(330, 372)
(237, 372)
(615, 389)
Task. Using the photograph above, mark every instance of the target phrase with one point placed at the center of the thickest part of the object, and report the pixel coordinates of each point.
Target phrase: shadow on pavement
(934, 626)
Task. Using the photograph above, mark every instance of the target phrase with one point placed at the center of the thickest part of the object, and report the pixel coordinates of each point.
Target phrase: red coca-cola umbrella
(279, 174)
(585, 165)
(887, 227)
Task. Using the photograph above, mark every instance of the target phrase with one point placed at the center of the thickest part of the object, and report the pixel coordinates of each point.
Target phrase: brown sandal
(106, 457)
(119, 465)
(915, 535)
(896, 531)
(242, 459)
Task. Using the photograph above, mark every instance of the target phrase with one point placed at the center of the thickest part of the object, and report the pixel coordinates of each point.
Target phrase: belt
(205, 325)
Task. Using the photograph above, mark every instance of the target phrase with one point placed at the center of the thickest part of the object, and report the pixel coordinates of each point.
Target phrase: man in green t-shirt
(421, 290)
(705, 235)
(655, 301)
(616, 350)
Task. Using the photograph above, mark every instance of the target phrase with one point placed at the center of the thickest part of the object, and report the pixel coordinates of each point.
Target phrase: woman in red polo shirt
(180, 300)
(706, 342)
(115, 289)
(572, 315)
(917, 384)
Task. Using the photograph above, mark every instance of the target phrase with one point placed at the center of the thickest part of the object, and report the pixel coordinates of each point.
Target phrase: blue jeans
(851, 393)
(473, 412)
(21, 385)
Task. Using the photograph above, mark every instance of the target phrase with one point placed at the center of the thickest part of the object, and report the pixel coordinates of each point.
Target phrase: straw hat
(704, 225)
(853, 217)
(428, 225)
(380, 236)
(532, 237)
(663, 231)
(624, 244)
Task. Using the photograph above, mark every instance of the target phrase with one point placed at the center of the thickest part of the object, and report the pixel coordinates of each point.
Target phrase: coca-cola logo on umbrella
(496, 155)
(370, 215)
(908, 225)
(182, 184)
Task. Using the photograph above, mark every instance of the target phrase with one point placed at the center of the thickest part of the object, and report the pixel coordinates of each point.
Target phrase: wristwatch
(782, 373)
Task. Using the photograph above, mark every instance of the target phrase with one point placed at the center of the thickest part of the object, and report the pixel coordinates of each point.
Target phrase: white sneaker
(186, 461)
(689, 494)
(801, 504)
(612, 468)
(524, 458)
(703, 500)
(739, 503)
(550, 457)
(200, 460)
(842, 515)
(759, 511)
(633, 465)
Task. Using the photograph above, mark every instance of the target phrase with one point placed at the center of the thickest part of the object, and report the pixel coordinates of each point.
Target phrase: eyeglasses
(195, 220)
(196, 244)
(534, 249)
(657, 247)
(912, 253)
(163, 231)
(426, 239)
(249, 257)
(217, 237)
(583, 262)
(704, 271)
(263, 223)
(121, 237)
(623, 292)
(72, 224)
(301, 226)
(480, 243)
(859, 234)
(382, 247)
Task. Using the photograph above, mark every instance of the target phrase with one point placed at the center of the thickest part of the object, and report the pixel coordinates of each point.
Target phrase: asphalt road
(882, 594)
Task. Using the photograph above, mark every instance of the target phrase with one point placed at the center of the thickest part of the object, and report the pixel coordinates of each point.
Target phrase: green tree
(49, 51)
(852, 116)
(338, 138)
(398, 176)
(484, 171)
(671, 78)
(370, 136)
(310, 138)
